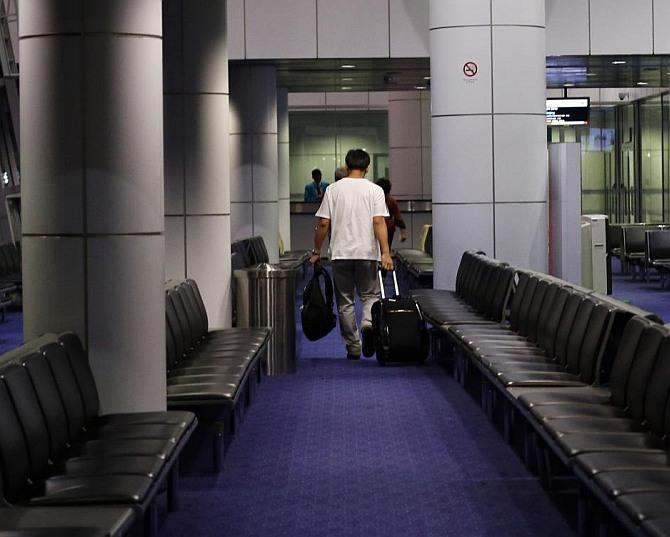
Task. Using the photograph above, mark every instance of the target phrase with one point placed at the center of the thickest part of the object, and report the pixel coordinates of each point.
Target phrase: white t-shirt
(350, 204)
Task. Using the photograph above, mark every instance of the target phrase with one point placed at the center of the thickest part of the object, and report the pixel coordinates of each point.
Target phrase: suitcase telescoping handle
(381, 283)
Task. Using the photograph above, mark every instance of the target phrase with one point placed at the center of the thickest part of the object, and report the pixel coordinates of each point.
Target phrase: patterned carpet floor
(354, 449)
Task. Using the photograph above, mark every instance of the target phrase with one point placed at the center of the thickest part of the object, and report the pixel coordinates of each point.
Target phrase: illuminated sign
(573, 111)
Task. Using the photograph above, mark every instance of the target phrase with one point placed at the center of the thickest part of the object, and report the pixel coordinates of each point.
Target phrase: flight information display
(572, 111)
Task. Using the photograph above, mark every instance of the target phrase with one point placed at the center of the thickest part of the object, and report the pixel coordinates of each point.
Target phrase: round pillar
(488, 132)
(197, 163)
(92, 188)
(254, 171)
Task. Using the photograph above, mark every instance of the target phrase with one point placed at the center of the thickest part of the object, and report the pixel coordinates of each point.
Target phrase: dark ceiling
(395, 74)
(608, 71)
(376, 74)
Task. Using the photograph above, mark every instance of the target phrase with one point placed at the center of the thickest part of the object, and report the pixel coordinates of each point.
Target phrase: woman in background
(395, 218)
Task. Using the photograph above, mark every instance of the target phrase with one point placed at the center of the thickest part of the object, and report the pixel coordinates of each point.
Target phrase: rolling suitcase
(399, 328)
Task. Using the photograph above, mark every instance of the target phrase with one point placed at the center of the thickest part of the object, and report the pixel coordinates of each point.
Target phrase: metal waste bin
(265, 296)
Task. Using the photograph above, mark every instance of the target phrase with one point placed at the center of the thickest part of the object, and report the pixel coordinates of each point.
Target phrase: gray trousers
(351, 276)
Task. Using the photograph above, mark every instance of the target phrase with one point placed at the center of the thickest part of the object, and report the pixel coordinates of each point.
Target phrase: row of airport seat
(252, 251)
(657, 253)
(64, 468)
(580, 381)
(641, 248)
(210, 372)
(415, 266)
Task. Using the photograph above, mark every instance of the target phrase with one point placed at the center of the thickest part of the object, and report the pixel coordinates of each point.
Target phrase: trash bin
(265, 296)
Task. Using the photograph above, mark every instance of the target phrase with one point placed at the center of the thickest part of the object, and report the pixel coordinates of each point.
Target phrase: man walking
(354, 209)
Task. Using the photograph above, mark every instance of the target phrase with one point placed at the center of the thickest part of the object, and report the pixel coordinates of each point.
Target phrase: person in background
(340, 173)
(355, 209)
(394, 220)
(314, 190)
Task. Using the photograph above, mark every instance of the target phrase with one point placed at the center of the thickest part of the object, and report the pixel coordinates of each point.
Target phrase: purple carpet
(11, 331)
(646, 295)
(351, 449)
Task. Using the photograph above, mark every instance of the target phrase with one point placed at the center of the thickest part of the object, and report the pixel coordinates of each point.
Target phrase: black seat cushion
(148, 466)
(55, 532)
(617, 482)
(577, 410)
(575, 443)
(105, 489)
(657, 527)
(583, 394)
(593, 463)
(645, 505)
(591, 424)
(201, 392)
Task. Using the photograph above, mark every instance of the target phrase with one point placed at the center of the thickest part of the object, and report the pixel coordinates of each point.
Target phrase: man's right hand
(387, 262)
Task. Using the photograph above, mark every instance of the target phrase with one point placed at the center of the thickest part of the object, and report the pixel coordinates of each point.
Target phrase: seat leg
(546, 465)
(151, 520)
(507, 422)
(173, 488)
(528, 448)
(488, 392)
(458, 368)
(494, 401)
(247, 394)
(463, 372)
(540, 461)
(603, 529)
(483, 395)
(460, 373)
(601, 521)
(582, 515)
(218, 438)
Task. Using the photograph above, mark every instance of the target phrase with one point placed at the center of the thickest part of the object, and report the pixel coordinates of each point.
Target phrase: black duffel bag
(316, 311)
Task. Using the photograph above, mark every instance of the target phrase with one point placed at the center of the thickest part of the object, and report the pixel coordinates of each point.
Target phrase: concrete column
(254, 168)
(92, 188)
(284, 203)
(488, 132)
(197, 164)
(409, 144)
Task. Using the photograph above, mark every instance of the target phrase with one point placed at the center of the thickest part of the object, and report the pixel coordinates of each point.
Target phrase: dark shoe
(353, 356)
(368, 341)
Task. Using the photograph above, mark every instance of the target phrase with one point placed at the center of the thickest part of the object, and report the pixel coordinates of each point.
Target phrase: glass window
(597, 141)
(321, 139)
(651, 160)
(665, 156)
(597, 146)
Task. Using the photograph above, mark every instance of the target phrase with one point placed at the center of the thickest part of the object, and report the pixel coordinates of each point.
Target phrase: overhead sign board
(568, 111)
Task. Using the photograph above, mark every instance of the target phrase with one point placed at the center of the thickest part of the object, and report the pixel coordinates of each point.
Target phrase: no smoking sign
(470, 69)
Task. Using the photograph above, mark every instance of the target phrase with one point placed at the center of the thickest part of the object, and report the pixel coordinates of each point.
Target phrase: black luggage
(399, 328)
(316, 311)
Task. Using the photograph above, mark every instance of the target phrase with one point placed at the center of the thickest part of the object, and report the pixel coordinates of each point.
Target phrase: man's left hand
(387, 262)
(314, 258)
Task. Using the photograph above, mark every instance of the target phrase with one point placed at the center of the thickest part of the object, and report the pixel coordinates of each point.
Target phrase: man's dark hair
(385, 184)
(316, 172)
(357, 159)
